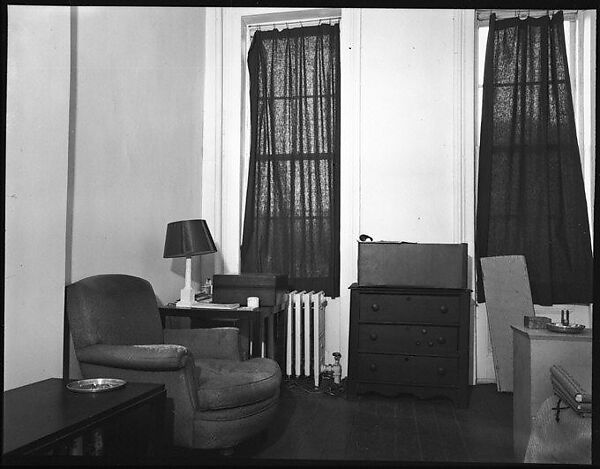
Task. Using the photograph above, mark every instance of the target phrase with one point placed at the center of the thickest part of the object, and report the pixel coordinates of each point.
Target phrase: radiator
(305, 338)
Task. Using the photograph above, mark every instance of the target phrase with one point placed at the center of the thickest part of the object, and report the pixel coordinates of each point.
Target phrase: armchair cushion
(217, 342)
(156, 357)
(224, 384)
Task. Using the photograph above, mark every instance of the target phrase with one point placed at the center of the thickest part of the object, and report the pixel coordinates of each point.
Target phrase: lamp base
(187, 297)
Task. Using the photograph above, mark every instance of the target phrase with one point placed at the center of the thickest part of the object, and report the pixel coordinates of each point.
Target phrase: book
(202, 305)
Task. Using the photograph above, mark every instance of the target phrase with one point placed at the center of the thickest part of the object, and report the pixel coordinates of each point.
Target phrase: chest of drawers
(409, 340)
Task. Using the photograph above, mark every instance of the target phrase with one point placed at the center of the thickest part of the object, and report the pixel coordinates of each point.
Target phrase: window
(291, 221)
(580, 41)
(531, 196)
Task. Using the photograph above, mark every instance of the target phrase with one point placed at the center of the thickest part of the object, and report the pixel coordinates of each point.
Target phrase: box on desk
(269, 288)
(393, 263)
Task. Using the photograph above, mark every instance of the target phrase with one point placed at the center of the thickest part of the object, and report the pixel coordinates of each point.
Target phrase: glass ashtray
(565, 328)
(96, 385)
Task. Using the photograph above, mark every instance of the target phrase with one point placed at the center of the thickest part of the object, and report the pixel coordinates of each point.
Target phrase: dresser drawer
(401, 308)
(417, 339)
(407, 369)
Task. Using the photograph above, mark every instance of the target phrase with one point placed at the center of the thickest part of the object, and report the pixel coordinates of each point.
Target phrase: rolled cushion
(155, 357)
(225, 384)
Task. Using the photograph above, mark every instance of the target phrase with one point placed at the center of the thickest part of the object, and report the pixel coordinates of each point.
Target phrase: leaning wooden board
(507, 301)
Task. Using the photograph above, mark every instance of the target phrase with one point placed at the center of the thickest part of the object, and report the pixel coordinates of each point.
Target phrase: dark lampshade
(188, 238)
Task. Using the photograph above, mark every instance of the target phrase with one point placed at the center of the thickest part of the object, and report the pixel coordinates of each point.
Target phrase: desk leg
(270, 337)
(261, 338)
(255, 338)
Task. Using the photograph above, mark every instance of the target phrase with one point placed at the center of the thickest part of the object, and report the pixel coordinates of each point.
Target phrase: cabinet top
(545, 334)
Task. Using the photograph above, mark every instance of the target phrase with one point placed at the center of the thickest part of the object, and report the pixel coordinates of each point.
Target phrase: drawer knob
(373, 336)
(430, 343)
(405, 359)
(408, 298)
(375, 307)
(423, 331)
(441, 371)
(418, 342)
(444, 309)
(441, 340)
(373, 367)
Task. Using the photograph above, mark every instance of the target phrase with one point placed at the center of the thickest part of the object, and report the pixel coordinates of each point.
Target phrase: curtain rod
(294, 23)
(484, 15)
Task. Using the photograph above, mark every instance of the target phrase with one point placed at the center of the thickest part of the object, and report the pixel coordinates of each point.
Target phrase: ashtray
(565, 329)
(96, 385)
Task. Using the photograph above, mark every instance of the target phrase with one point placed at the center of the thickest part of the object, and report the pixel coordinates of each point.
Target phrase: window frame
(265, 22)
(583, 41)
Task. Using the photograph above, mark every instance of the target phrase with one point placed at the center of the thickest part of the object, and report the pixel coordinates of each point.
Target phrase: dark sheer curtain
(291, 223)
(531, 198)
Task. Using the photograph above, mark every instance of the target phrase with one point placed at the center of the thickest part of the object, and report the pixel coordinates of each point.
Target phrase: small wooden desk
(534, 352)
(263, 338)
(46, 419)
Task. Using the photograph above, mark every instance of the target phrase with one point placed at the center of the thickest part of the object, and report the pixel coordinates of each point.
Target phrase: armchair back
(113, 309)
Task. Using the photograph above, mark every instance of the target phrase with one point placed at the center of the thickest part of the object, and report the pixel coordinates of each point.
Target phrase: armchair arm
(217, 342)
(153, 357)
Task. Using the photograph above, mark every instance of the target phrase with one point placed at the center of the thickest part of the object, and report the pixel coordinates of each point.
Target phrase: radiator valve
(337, 368)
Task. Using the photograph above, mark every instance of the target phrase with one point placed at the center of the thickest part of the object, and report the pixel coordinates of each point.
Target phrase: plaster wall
(137, 126)
(406, 170)
(37, 123)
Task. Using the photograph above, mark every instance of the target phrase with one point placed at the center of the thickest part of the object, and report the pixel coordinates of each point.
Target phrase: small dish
(565, 329)
(96, 385)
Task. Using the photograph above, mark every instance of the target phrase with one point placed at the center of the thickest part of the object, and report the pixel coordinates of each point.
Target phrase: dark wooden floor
(325, 428)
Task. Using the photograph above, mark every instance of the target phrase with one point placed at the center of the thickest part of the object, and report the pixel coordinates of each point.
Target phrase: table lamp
(188, 238)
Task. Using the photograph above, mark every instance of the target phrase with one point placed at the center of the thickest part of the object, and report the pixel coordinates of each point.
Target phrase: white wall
(37, 123)
(138, 133)
(406, 176)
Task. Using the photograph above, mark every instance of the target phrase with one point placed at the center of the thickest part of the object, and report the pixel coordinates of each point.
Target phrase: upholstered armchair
(216, 400)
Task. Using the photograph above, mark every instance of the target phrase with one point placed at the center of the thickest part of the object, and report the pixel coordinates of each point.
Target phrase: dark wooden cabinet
(44, 419)
(409, 340)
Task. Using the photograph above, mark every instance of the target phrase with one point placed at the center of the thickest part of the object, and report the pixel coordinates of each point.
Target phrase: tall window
(580, 46)
(531, 198)
(291, 223)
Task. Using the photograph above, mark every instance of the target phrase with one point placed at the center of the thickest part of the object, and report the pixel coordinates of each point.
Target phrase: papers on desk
(203, 305)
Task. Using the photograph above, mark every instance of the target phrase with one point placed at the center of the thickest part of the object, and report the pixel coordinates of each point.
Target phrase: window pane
(482, 40)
